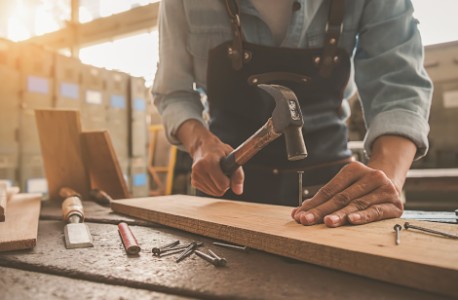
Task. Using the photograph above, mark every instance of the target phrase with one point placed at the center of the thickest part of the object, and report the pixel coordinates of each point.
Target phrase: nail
(299, 173)
(177, 249)
(398, 228)
(213, 260)
(158, 250)
(407, 225)
(242, 248)
(187, 251)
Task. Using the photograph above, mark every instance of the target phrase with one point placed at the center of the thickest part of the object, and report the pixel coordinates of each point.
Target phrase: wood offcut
(20, 229)
(61, 148)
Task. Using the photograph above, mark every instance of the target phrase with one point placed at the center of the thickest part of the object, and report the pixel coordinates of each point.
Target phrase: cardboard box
(32, 176)
(8, 167)
(35, 60)
(9, 110)
(117, 112)
(29, 141)
(9, 55)
(138, 117)
(10, 79)
(139, 178)
(94, 101)
(36, 92)
(67, 91)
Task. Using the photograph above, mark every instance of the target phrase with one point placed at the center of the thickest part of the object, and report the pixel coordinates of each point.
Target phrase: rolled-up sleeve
(394, 88)
(173, 88)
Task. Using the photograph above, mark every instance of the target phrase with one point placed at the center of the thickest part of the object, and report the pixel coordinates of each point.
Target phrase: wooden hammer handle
(255, 143)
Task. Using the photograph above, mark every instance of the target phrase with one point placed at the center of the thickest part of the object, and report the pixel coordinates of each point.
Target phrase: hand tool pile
(185, 251)
(77, 233)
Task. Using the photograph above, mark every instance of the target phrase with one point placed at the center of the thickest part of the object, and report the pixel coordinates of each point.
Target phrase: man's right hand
(207, 150)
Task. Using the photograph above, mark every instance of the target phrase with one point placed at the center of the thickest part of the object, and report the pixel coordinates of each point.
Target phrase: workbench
(50, 271)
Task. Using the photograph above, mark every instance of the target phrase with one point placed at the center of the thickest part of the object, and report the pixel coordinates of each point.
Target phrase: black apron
(238, 109)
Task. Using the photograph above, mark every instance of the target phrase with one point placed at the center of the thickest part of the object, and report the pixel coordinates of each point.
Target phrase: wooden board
(20, 229)
(104, 170)
(60, 141)
(421, 261)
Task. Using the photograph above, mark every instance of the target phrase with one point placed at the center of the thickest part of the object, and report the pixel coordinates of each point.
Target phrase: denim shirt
(380, 36)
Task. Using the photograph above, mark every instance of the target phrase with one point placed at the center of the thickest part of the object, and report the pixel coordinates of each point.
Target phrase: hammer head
(287, 119)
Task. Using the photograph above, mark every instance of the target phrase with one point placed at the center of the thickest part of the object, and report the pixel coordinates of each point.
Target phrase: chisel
(77, 233)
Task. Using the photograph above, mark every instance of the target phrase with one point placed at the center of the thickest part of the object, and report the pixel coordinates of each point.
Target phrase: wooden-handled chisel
(77, 233)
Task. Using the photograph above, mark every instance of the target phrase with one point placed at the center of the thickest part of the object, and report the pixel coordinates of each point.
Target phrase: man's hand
(357, 195)
(361, 194)
(206, 151)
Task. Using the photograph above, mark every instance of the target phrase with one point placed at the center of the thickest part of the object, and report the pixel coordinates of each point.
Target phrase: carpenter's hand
(358, 194)
(207, 175)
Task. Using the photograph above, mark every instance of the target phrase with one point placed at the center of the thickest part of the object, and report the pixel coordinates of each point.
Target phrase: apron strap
(235, 51)
(334, 28)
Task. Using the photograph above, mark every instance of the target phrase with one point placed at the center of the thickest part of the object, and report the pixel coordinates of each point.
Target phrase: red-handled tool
(128, 239)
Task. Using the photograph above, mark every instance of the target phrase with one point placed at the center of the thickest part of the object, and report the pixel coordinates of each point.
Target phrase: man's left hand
(358, 194)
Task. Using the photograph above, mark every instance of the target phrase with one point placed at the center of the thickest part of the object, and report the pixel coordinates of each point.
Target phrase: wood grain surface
(422, 261)
(60, 141)
(103, 166)
(20, 229)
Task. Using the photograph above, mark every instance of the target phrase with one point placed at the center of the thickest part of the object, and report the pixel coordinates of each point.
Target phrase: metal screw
(407, 225)
(398, 229)
(242, 248)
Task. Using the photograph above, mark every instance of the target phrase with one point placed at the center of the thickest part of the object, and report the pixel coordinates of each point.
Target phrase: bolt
(398, 229)
(407, 225)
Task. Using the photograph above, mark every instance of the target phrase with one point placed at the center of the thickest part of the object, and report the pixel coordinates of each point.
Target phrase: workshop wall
(31, 77)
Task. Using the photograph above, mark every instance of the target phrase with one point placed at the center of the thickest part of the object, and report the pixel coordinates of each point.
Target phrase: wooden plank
(103, 165)
(20, 229)
(60, 141)
(367, 250)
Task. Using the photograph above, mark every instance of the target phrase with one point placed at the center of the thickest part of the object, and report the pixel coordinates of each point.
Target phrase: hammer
(286, 119)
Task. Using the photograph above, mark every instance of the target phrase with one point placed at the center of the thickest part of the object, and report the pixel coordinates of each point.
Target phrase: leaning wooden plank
(20, 229)
(421, 261)
(103, 166)
(60, 141)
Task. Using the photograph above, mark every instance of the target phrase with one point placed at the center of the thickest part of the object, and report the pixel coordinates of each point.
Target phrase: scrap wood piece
(103, 165)
(366, 250)
(20, 229)
(60, 141)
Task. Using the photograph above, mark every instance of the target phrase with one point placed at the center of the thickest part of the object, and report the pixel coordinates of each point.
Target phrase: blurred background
(100, 56)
